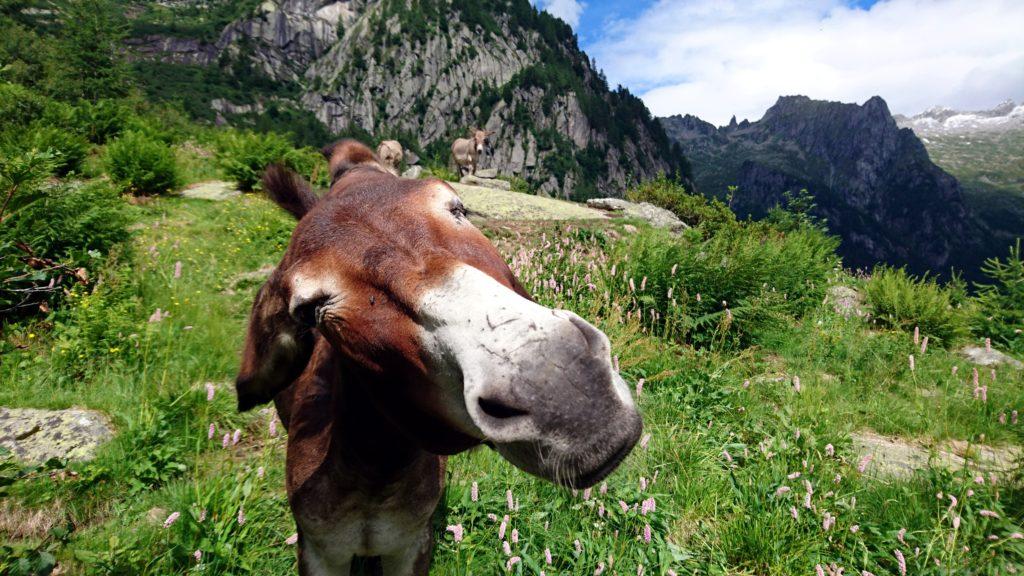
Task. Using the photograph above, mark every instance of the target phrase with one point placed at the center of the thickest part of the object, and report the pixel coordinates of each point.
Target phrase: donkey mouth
(588, 479)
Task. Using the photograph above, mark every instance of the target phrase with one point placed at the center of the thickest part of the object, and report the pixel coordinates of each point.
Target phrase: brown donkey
(391, 334)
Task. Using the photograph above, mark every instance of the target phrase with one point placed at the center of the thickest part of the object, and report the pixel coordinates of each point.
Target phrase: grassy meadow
(119, 295)
(748, 403)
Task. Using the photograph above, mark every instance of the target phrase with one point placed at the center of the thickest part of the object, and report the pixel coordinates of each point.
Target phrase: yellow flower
(31, 335)
(115, 350)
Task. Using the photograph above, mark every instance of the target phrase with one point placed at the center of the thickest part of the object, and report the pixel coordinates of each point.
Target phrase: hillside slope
(422, 71)
(872, 181)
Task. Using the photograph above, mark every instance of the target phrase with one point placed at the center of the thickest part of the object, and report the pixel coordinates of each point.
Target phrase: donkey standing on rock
(466, 151)
(392, 334)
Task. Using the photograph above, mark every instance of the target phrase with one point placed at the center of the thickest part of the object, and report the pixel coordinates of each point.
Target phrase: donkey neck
(366, 443)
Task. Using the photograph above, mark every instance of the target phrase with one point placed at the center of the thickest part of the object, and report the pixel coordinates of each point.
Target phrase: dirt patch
(18, 523)
(900, 457)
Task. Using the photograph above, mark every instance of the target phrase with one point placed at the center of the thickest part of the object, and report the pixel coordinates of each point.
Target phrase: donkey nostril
(498, 409)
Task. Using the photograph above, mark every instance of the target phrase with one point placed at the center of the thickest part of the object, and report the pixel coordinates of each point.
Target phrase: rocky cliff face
(873, 181)
(426, 71)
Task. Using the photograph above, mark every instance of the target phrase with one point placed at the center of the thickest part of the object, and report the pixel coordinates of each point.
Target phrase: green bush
(901, 301)
(730, 288)
(243, 156)
(140, 165)
(693, 209)
(1000, 310)
(69, 148)
(50, 234)
(102, 120)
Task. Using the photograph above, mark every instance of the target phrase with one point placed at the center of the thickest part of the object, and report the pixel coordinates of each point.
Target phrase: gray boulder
(413, 172)
(35, 436)
(485, 182)
(653, 215)
(982, 357)
(486, 173)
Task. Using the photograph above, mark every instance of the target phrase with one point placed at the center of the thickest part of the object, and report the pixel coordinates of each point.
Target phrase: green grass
(712, 516)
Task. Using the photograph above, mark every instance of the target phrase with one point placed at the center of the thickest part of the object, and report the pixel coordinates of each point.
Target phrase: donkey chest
(364, 522)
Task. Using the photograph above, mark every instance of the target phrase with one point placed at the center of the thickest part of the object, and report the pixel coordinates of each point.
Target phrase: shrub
(141, 165)
(1000, 312)
(904, 302)
(243, 156)
(69, 149)
(51, 237)
(102, 120)
(729, 288)
(693, 209)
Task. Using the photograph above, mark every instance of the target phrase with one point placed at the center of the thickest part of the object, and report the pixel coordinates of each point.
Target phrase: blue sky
(716, 58)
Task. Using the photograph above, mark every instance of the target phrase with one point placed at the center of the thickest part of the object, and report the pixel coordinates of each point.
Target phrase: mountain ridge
(872, 180)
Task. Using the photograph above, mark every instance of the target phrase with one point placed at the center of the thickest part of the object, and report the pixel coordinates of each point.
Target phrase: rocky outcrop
(653, 215)
(872, 181)
(425, 72)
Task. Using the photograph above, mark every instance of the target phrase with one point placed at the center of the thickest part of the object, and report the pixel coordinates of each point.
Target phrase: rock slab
(475, 180)
(982, 357)
(35, 436)
(213, 190)
(653, 215)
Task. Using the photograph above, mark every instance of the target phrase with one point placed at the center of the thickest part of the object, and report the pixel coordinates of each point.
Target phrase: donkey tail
(288, 190)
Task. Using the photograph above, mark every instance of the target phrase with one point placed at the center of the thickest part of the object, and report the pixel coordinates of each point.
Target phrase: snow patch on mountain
(940, 120)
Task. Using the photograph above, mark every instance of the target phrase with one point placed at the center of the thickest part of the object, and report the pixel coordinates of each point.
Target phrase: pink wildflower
(579, 547)
(241, 515)
(796, 383)
(954, 370)
(515, 536)
(828, 522)
(911, 357)
(547, 556)
(512, 562)
(260, 472)
(226, 441)
(236, 436)
(863, 465)
(855, 528)
(600, 569)
(474, 492)
(211, 431)
(457, 532)
(157, 316)
(172, 519)
(509, 501)
(956, 522)
(830, 450)
(644, 441)
(647, 505)
(506, 547)
(727, 456)
(746, 384)
(782, 490)
(917, 335)
(900, 534)
(793, 476)
(988, 514)
(1016, 536)
(818, 571)
(273, 427)
(647, 533)
(924, 345)
(1002, 417)
(624, 506)
(604, 488)
(202, 515)
(502, 528)
(177, 269)
(988, 344)
(210, 391)
(639, 387)
(198, 555)
(1013, 417)
(902, 562)
(794, 513)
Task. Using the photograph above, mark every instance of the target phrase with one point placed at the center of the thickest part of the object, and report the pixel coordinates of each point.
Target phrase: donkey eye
(457, 208)
(310, 312)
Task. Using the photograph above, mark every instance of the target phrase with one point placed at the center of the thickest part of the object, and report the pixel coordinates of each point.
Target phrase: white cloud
(568, 10)
(716, 58)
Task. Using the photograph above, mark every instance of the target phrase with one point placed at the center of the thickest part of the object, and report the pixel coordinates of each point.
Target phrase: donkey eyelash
(458, 209)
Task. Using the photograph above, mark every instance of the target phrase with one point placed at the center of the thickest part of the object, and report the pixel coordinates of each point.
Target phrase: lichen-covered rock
(473, 180)
(35, 436)
(496, 204)
(653, 215)
(982, 357)
(413, 172)
(846, 301)
(212, 190)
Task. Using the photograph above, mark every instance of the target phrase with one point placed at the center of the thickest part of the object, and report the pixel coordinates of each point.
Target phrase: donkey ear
(277, 347)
